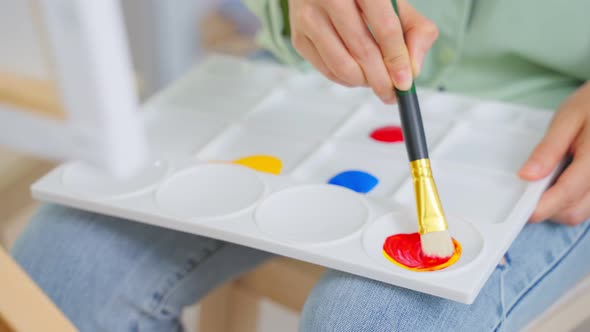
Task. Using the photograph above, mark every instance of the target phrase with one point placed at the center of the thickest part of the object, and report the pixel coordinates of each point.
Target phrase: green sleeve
(274, 34)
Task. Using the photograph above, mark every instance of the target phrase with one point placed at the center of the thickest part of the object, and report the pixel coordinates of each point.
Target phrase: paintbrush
(433, 228)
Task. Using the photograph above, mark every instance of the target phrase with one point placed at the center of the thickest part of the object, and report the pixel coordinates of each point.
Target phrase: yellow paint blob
(262, 163)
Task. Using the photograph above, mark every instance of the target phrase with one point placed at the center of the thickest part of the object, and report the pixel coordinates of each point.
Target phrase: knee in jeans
(344, 302)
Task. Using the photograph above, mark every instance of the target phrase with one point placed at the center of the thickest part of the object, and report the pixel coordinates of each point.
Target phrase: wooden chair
(234, 307)
(23, 306)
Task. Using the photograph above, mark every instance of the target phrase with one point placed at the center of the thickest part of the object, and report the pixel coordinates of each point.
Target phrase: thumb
(553, 147)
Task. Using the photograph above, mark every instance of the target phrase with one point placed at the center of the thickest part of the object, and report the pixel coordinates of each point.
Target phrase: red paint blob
(388, 134)
(406, 250)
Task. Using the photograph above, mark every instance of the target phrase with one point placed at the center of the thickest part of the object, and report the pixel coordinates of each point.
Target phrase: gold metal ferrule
(431, 217)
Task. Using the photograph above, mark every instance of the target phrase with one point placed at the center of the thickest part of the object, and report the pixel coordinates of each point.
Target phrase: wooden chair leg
(243, 311)
(284, 281)
(229, 309)
(214, 316)
(23, 306)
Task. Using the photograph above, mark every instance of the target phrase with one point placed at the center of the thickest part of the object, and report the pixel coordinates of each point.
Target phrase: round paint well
(405, 250)
(358, 181)
(210, 191)
(388, 134)
(91, 182)
(312, 214)
(464, 232)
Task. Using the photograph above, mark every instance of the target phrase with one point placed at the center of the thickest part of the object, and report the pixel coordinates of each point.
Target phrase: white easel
(102, 124)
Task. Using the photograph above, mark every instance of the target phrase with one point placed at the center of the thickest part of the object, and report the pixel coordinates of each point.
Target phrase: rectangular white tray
(228, 108)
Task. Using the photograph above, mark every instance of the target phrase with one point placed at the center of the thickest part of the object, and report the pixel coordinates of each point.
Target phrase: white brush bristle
(437, 244)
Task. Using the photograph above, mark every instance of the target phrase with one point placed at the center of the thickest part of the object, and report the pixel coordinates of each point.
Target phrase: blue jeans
(110, 274)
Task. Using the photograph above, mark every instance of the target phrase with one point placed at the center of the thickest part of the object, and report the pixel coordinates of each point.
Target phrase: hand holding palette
(293, 164)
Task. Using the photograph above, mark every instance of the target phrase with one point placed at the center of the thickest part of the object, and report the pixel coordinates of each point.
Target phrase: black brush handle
(411, 118)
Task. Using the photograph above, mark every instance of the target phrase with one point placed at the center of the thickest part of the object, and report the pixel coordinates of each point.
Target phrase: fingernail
(532, 168)
(403, 79)
(388, 99)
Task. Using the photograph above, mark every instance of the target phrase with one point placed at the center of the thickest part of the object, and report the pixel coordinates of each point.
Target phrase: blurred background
(165, 38)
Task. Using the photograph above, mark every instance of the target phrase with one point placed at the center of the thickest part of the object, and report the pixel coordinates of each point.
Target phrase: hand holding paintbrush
(434, 236)
(361, 43)
(334, 36)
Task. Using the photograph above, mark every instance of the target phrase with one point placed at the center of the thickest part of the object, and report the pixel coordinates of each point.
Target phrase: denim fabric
(541, 265)
(110, 274)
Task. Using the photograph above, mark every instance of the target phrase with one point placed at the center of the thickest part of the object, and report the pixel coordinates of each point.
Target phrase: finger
(308, 51)
(389, 35)
(358, 40)
(576, 214)
(559, 137)
(318, 28)
(570, 186)
(419, 33)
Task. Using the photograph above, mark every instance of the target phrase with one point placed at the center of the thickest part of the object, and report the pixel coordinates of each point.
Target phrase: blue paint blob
(359, 181)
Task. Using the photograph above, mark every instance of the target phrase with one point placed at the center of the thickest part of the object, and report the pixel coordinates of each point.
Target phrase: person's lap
(541, 265)
(111, 274)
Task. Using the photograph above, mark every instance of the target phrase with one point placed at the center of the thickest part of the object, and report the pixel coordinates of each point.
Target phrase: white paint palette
(229, 108)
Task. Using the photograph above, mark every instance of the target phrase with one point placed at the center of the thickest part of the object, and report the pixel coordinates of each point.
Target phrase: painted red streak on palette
(388, 134)
(406, 251)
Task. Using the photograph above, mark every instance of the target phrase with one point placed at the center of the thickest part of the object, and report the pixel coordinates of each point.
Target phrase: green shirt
(534, 52)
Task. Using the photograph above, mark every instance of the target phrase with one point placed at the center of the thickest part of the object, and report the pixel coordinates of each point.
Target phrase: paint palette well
(470, 238)
(209, 87)
(487, 147)
(90, 182)
(242, 141)
(309, 206)
(462, 192)
(209, 191)
(337, 159)
(380, 126)
(288, 162)
(300, 117)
